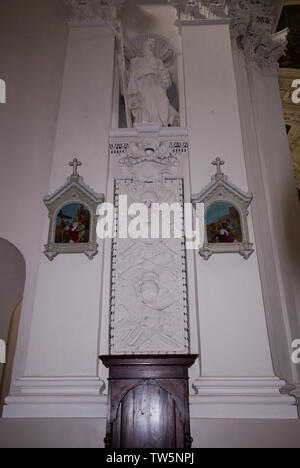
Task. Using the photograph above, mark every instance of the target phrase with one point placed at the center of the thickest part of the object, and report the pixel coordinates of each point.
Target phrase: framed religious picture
(73, 217)
(226, 211)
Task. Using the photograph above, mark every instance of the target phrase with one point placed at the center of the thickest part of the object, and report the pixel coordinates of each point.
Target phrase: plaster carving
(94, 11)
(148, 82)
(189, 10)
(252, 26)
(149, 151)
(252, 31)
(148, 158)
(77, 202)
(149, 308)
(266, 12)
(221, 191)
(259, 46)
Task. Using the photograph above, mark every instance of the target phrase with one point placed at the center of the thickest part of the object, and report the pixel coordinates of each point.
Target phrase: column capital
(94, 12)
(261, 47)
(252, 26)
(199, 11)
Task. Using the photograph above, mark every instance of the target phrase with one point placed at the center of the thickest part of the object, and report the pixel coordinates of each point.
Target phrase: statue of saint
(149, 80)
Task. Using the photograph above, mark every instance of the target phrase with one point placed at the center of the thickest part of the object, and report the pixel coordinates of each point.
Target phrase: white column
(61, 378)
(271, 179)
(237, 377)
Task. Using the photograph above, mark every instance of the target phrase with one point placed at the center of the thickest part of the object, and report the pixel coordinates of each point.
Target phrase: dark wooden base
(148, 401)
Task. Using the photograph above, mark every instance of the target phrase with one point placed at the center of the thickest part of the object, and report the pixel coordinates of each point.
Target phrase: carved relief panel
(149, 308)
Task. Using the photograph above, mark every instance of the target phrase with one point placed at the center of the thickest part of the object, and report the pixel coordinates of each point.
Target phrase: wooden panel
(147, 413)
(148, 409)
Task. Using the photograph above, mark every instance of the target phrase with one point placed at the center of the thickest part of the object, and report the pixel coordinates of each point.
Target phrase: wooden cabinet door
(147, 419)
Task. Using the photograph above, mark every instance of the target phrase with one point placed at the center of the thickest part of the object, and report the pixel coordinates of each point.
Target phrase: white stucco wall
(35, 150)
(67, 303)
(275, 208)
(233, 334)
(32, 48)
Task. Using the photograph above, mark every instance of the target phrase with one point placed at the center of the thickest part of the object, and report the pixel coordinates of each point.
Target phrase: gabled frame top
(221, 190)
(73, 192)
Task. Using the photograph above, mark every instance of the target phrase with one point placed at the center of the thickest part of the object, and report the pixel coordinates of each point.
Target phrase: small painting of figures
(73, 225)
(223, 224)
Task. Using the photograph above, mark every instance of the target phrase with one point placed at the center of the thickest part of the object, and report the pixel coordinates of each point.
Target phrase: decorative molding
(191, 10)
(94, 12)
(150, 151)
(74, 191)
(265, 12)
(57, 397)
(252, 27)
(146, 153)
(260, 47)
(241, 398)
(60, 386)
(253, 31)
(221, 189)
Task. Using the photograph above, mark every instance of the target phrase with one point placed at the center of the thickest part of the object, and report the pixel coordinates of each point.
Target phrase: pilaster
(237, 376)
(61, 377)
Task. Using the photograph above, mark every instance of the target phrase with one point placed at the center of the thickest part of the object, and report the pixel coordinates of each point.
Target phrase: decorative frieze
(141, 155)
(189, 10)
(265, 12)
(261, 47)
(252, 25)
(94, 11)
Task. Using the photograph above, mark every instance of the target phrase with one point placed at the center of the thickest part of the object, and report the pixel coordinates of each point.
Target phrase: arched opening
(12, 281)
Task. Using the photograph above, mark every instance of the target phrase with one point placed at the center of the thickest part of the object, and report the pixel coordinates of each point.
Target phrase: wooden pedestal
(148, 401)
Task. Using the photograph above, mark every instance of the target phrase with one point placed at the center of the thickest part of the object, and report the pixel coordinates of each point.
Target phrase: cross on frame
(218, 163)
(75, 164)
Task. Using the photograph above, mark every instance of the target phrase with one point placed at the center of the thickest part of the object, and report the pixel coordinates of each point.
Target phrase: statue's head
(149, 45)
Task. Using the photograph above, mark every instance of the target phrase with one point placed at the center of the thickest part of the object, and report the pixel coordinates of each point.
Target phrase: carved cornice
(191, 10)
(252, 25)
(91, 12)
(266, 12)
(152, 156)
